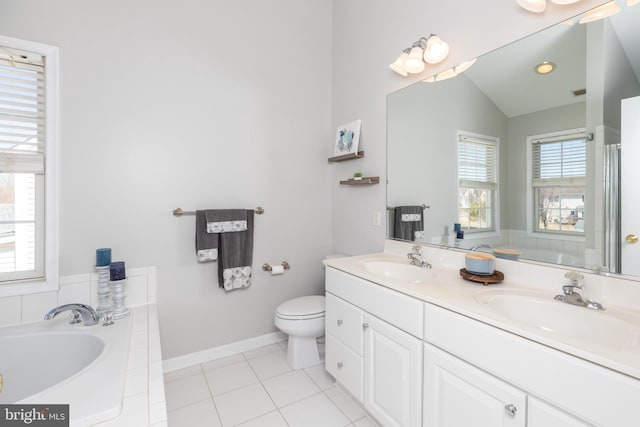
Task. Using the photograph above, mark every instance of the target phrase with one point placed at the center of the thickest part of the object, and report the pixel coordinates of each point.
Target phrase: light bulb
(436, 50)
(398, 64)
(413, 63)
(537, 6)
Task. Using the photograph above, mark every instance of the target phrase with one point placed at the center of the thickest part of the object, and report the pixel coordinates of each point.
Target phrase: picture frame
(347, 138)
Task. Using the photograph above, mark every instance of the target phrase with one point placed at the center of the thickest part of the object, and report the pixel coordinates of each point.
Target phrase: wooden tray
(496, 277)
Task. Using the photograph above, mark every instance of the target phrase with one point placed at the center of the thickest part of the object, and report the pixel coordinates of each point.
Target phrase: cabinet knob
(365, 325)
(340, 322)
(510, 409)
(632, 238)
(340, 365)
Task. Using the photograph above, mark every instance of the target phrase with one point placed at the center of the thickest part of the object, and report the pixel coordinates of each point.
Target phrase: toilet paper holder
(267, 267)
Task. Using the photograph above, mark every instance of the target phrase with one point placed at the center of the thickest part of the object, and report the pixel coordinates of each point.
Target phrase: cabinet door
(541, 414)
(344, 365)
(458, 394)
(392, 374)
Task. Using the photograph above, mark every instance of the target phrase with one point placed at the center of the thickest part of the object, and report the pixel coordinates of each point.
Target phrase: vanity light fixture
(451, 72)
(464, 66)
(398, 65)
(632, 2)
(537, 6)
(414, 63)
(447, 74)
(545, 67)
(436, 50)
(600, 12)
(427, 49)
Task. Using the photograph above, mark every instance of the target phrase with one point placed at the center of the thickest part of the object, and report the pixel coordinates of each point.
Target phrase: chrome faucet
(417, 258)
(476, 247)
(86, 312)
(574, 293)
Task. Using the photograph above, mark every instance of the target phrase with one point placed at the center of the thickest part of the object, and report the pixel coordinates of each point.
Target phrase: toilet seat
(302, 308)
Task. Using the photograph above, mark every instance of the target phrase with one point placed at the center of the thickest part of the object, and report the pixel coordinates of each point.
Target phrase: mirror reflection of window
(477, 182)
(558, 165)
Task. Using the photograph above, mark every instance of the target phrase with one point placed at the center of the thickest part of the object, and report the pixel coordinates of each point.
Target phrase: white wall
(192, 104)
(367, 36)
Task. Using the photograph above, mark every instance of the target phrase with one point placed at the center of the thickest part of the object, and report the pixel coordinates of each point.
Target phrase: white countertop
(450, 291)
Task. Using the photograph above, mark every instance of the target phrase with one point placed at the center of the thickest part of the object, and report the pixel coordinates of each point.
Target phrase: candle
(116, 271)
(103, 257)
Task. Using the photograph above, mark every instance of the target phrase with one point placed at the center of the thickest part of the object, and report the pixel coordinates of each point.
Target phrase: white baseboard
(226, 350)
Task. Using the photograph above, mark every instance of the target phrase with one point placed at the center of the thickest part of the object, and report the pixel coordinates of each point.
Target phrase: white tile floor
(258, 389)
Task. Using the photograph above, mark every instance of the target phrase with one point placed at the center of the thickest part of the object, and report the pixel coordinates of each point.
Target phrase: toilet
(303, 320)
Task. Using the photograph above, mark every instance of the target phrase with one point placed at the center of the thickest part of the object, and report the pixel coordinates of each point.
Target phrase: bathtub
(53, 362)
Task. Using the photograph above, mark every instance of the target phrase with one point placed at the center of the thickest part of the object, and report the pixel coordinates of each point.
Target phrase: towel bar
(390, 208)
(267, 267)
(179, 212)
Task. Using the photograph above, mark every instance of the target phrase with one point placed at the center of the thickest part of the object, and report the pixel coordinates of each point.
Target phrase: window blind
(477, 162)
(22, 107)
(564, 159)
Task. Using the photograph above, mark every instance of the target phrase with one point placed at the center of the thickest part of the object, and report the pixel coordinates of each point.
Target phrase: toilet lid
(302, 306)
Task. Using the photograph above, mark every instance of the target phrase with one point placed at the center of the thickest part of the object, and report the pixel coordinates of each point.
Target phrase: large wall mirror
(530, 165)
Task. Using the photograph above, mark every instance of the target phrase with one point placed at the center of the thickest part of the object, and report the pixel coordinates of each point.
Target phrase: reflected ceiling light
(632, 2)
(564, 1)
(398, 64)
(545, 67)
(436, 50)
(537, 6)
(430, 79)
(600, 12)
(412, 60)
(464, 66)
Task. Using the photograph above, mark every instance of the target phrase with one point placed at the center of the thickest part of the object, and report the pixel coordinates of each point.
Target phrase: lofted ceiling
(508, 78)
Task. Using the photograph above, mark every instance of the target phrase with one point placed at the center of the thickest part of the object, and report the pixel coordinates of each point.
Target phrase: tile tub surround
(452, 292)
(144, 399)
(79, 288)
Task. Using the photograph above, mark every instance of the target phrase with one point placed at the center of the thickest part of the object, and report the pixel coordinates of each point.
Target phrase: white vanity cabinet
(481, 373)
(374, 347)
(459, 394)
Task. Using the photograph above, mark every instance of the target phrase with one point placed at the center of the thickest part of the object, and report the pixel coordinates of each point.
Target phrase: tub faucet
(417, 258)
(574, 293)
(476, 247)
(86, 312)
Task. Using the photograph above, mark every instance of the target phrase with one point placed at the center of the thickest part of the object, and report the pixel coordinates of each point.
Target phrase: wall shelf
(344, 157)
(368, 180)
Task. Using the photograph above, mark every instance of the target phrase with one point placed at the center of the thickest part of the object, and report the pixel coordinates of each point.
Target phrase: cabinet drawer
(344, 322)
(400, 310)
(344, 365)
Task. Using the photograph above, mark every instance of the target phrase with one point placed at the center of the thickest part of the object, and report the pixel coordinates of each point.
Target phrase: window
(558, 164)
(477, 182)
(27, 163)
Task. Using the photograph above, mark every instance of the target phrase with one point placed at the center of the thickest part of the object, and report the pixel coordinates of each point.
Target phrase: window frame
(495, 230)
(50, 279)
(532, 215)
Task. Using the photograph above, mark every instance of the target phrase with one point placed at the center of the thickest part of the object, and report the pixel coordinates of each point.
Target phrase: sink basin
(399, 271)
(555, 317)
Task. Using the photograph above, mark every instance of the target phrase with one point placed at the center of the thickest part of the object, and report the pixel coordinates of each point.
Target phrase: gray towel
(406, 230)
(206, 243)
(234, 229)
